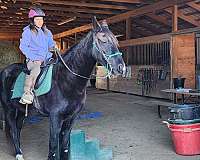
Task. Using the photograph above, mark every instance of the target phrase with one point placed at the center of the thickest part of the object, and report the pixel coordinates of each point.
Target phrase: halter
(106, 56)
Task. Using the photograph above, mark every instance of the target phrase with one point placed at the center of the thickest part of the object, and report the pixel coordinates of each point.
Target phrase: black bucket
(184, 112)
(178, 82)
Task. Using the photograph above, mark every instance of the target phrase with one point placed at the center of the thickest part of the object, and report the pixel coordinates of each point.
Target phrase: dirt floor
(128, 124)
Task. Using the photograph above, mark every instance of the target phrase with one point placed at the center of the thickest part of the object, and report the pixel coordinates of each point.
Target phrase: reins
(106, 56)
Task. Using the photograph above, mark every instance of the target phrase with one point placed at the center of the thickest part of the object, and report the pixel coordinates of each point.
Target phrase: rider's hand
(54, 49)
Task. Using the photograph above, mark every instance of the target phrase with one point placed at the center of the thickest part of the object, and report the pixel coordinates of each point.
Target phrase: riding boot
(28, 96)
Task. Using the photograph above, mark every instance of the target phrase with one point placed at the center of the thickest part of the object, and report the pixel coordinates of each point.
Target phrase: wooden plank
(65, 9)
(159, 19)
(145, 40)
(175, 18)
(183, 58)
(84, 4)
(124, 1)
(140, 11)
(9, 36)
(194, 5)
(146, 9)
(184, 17)
(185, 31)
(81, 10)
(148, 27)
(128, 36)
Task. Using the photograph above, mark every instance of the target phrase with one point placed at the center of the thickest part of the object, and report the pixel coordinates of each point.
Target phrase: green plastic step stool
(92, 147)
(77, 145)
(81, 149)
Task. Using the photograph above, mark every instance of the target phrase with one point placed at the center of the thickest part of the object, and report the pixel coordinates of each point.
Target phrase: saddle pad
(44, 88)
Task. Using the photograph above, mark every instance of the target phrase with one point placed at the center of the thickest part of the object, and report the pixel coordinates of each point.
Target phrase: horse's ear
(95, 23)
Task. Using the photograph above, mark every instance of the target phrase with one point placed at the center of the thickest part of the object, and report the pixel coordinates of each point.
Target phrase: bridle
(106, 56)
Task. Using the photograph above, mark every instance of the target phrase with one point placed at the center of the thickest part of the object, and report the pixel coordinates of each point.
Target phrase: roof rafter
(189, 19)
(82, 4)
(140, 11)
(124, 1)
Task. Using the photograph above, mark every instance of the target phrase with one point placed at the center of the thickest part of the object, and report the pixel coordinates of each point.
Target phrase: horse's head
(105, 48)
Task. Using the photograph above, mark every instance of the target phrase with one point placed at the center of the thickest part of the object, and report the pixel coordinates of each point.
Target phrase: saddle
(44, 69)
(43, 83)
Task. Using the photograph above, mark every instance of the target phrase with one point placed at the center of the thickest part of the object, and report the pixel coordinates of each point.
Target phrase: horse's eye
(102, 37)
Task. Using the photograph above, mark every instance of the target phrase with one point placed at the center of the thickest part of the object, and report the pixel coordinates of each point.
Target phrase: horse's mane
(83, 43)
(78, 46)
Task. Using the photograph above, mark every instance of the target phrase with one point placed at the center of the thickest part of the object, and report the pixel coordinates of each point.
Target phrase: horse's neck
(81, 62)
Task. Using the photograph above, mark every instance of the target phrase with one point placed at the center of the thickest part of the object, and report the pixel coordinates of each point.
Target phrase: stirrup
(24, 101)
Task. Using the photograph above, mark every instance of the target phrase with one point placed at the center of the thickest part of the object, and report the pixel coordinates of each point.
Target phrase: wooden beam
(66, 9)
(128, 36)
(175, 18)
(140, 11)
(128, 28)
(184, 17)
(146, 9)
(9, 36)
(124, 1)
(83, 4)
(160, 19)
(145, 40)
(194, 5)
(148, 27)
(185, 31)
(141, 32)
(62, 11)
(77, 10)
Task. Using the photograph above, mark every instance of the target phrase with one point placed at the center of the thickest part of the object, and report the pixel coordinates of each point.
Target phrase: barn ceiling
(76, 13)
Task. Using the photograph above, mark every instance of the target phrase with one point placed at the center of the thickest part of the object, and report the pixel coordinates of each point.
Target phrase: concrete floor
(129, 125)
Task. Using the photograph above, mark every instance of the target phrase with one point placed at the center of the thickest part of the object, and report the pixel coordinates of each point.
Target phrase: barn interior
(160, 41)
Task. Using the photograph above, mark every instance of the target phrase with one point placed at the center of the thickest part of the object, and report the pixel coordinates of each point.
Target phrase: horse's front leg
(54, 145)
(65, 139)
(65, 134)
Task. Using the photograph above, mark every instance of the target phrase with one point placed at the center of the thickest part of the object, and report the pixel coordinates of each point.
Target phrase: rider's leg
(34, 67)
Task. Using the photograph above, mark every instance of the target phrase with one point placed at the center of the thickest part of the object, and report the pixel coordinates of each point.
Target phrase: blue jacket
(35, 46)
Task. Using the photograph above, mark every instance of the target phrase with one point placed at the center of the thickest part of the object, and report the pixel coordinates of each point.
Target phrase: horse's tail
(2, 104)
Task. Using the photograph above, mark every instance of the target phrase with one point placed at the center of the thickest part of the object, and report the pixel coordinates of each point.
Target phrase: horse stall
(157, 41)
(153, 62)
(149, 69)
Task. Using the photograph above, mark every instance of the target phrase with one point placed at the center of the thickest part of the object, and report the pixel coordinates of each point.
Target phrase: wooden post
(75, 37)
(64, 45)
(175, 18)
(128, 36)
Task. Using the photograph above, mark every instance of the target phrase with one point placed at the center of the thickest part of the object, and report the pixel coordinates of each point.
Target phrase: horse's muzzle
(121, 69)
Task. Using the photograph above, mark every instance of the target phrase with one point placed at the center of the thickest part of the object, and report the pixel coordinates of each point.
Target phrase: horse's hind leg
(20, 121)
(11, 120)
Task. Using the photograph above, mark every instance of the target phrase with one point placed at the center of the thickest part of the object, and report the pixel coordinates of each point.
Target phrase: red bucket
(186, 138)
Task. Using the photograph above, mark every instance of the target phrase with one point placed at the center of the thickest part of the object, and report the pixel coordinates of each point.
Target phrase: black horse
(68, 92)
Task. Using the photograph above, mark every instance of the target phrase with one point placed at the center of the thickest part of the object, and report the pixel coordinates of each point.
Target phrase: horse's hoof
(19, 157)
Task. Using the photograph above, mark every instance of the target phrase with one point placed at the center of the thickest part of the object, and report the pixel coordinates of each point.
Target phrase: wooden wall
(183, 58)
(182, 64)
(133, 84)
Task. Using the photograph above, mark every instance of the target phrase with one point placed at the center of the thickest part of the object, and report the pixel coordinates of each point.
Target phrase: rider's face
(39, 21)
